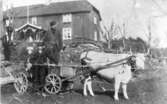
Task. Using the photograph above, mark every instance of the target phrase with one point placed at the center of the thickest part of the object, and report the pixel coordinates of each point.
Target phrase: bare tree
(160, 4)
(1, 19)
(1, 30)
(122, 31)
(110, 32)
(149, 36)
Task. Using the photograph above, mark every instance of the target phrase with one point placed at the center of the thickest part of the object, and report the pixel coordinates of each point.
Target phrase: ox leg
(117, 85)
(89, 83)
(124, 88)
(85, 88)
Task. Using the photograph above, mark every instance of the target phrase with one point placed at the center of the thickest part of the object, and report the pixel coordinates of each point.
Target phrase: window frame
(67, 33)
(34, 20)
(67, 18)
(8, 22)
(95, 36)
(95, 20)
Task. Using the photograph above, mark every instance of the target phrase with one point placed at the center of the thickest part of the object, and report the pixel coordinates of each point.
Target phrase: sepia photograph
(83, 51)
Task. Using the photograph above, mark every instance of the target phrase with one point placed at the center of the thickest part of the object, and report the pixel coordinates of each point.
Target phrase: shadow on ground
(148, 88)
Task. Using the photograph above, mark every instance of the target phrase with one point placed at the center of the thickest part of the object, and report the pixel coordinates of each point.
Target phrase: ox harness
(128, 60)
(88, 72)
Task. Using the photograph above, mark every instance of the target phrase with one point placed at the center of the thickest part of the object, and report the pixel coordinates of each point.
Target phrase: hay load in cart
(29, 37)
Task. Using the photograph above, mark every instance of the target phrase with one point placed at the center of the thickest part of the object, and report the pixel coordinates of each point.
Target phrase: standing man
(1, 32)
(53, 41)
(6, 42)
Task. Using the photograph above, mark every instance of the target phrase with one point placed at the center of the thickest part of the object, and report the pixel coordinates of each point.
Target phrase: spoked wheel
(53, 84)
(21, 82)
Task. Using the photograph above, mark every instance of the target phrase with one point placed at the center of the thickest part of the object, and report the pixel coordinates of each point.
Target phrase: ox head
(137, 61)
(132, 62)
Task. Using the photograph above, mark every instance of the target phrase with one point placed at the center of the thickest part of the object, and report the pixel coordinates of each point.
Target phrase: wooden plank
(6, 80)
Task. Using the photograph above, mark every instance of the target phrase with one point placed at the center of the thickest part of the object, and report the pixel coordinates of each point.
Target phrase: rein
(106, 66)
(86, 56)
(115, 64)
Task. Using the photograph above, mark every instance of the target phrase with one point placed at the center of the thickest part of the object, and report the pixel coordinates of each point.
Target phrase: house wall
(42, 21)
(82, 23)
(95, 27)
(18, 22)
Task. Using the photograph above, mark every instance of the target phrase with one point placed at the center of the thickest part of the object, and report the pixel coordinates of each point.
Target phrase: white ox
(121, 73)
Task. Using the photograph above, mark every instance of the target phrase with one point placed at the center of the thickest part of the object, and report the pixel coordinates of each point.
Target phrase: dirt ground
(150, 87)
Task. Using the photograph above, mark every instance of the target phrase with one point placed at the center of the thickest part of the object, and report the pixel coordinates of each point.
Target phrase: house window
(7, 22)
(34, 20)
(95, 35)
(95, 20)
(67, 33)
(67, 18)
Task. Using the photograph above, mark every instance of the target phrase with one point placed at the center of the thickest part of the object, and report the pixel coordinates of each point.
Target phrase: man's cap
(53, 23)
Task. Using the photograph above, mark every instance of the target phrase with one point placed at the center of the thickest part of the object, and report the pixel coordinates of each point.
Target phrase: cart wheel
(21, 82)
(53, 84)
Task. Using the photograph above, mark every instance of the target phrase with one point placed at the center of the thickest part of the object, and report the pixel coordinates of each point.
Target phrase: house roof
(28, 25)
(54, 8)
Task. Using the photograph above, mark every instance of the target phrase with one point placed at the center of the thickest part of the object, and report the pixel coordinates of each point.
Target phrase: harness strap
(114, 64)
(86, 57)
(107, 66)
(121, 60)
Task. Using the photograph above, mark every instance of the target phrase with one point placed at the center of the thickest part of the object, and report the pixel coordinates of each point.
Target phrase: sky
(136, 14)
